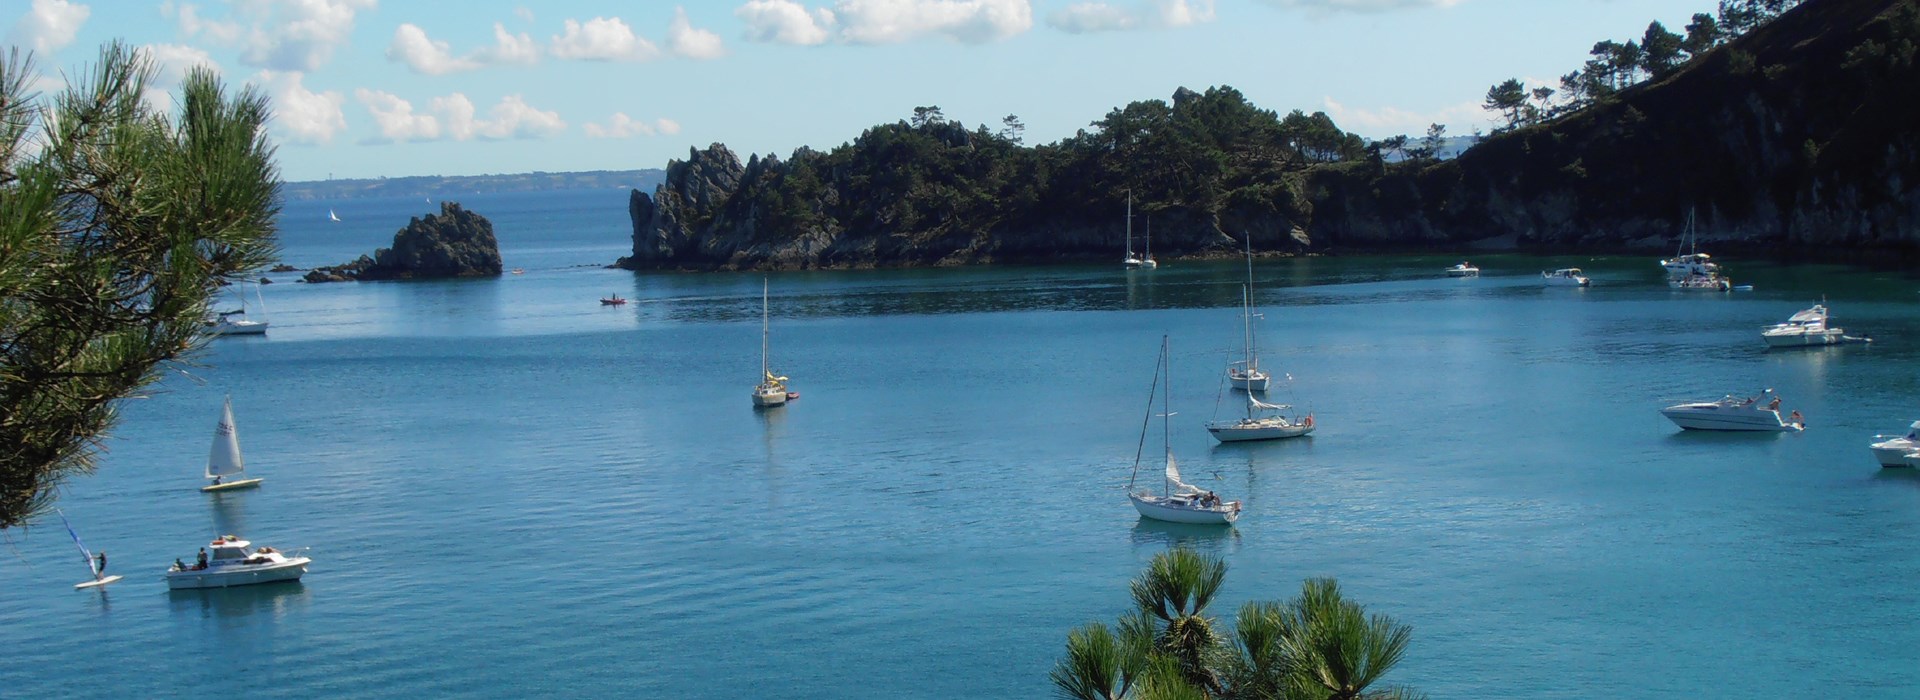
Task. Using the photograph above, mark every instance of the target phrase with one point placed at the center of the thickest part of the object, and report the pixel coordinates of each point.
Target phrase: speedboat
(231, 561)
(1731, 413)
(1464, 269)
(1806, 329)
(1897, 450)
(1701, 283)
(1569, 277)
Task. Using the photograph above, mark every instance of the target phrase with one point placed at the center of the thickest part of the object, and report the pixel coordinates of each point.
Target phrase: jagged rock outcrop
(453, 243)
(1797, 139)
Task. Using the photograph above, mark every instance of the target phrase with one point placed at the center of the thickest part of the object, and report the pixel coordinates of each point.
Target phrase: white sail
(224, 458)
(92, 564)
(1174, 485)
(1269, 406)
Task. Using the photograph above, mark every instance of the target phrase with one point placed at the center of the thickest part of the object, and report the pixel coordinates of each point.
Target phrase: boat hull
(1895, 452)
(1832, 336)
(1729, 420)
(238, 328)
(1452, 272)
(1566, 282)
(1245, 432)
(231, 485)
(769, 400)
(241, 575)
(1165, 510)
(1257, 381)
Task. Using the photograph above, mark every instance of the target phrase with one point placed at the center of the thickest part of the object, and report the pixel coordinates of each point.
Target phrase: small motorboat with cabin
(231, 561)
(1464, 269)
(1806, 329)
(1897, 450)
(1730, 413)
(1567, 277)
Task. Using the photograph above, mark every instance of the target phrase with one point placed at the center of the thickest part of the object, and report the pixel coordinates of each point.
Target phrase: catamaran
(1693, 263)
(96, 563)
(223, 460)
(1246, 374)
(1182, 502)
(772, 390)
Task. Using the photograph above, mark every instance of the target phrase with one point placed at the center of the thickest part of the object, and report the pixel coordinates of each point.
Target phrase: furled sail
(1269, 406)
(224, 458)
(1174, 485)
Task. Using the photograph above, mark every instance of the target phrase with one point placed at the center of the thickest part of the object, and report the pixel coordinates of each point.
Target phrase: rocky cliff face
(1796, 139)
(453, 243)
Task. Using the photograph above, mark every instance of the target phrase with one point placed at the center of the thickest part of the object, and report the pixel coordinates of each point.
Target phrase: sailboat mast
(1166, 418)
(1253, 362)
(1129, 224)
(1149, 237)
(763, 329)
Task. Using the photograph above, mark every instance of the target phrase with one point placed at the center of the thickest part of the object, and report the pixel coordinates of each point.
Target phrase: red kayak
(615, 301)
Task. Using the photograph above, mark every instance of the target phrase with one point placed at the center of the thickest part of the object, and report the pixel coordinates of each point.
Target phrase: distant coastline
(444, 186)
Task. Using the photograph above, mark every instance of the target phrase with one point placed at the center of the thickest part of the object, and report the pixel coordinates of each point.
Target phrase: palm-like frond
(1335, 647)
(1098, 665)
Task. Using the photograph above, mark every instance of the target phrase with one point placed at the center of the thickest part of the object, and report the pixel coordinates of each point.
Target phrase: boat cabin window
(229, 553)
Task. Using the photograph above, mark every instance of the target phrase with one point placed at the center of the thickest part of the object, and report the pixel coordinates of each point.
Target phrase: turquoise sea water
(511, 490)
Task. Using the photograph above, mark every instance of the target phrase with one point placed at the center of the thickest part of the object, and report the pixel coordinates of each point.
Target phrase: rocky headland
(1794, 139)
(453, 243)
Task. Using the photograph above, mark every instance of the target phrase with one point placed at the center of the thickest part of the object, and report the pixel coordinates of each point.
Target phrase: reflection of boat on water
(1181, 502)
(1730, 413)
(1700, 283)
(240, 602)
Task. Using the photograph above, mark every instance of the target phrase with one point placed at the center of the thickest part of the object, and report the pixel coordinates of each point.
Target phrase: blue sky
(368, 88)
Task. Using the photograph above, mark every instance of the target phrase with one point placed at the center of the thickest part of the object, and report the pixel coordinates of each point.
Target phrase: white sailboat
(1146, 259)
(95, 563)
(1263, 421)
(1181, 502)
(1247, 374)
(224, 323)
(1131, 260)
(332, 216)
(1692, 263)
(223, 460)
(772, 390)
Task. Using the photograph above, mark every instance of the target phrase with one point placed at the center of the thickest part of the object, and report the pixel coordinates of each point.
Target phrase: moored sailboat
(1246, 374)
(772, 390)
(224, 323)
(1181, 502)
(1130, 260)
(223, 459)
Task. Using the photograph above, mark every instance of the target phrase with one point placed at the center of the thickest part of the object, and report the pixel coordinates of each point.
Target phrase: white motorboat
(1264, 421)
(1806, 329)
(772, 390)
(1730, 413)
(1246, 374)
(1180, 502)
(1464, 269)
(223, 459)
(224, 323)
(1692, 263)
(1897, 450)
(231, 561)
(96, 563)
(1700, 283)
(1568, 277)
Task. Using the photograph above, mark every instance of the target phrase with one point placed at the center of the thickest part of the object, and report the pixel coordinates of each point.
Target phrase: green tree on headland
(1318, 646)
(118, 225)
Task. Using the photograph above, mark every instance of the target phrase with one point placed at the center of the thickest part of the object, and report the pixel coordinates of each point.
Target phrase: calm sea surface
(510, 490)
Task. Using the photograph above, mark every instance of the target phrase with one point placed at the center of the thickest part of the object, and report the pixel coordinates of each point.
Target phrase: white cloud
(525, 15)
(48, 25)
(454, 117)
(395, 117)
(686, 41)
(172, 61)
(785, 22)
(885, 21)
(1329, 6)
(1388, 121)
(621, 126)
(192, 24)
(411, 46)
(602, 39)
(509, 48)
(301, 115)
(281, 35)
(1089, 17)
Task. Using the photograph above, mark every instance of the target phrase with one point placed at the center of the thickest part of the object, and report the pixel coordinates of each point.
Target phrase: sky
(390, 88)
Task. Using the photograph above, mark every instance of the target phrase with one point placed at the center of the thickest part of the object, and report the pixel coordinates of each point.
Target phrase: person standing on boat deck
(201, 562)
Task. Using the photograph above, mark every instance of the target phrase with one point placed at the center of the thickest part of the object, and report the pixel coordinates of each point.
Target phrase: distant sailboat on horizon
(332, 216)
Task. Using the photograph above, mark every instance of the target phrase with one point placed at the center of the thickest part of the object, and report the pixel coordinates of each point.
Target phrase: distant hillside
(1798, 138)
(440, 187)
